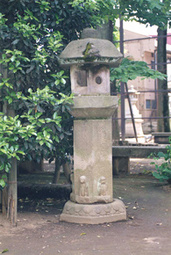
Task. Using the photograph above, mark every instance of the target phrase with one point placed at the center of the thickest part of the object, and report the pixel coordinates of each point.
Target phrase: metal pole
(122, 84)
(155, 81)
(143, 38)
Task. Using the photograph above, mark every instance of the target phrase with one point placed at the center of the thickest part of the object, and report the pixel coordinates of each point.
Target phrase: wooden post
(11, 201)
(12, 193)
(12, 184)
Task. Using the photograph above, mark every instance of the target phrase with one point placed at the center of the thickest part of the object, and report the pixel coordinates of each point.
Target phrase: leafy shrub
(163, 170)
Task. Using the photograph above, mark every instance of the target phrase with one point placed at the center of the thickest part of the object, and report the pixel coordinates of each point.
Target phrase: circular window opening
(98, 80)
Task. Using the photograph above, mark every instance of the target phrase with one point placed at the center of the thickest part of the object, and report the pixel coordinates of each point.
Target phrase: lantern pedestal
(92, 191)
(93, 213)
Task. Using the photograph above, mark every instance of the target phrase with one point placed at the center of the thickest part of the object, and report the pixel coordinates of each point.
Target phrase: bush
(163, 170)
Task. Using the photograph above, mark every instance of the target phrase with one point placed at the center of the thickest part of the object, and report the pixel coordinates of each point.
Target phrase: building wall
(142, 50)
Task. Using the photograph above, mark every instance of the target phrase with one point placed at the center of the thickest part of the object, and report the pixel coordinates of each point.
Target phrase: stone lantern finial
(90, 33)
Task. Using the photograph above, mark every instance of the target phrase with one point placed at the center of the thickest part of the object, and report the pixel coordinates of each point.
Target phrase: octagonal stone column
(91, 200)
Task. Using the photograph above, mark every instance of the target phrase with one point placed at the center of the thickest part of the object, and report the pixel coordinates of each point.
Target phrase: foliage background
(34, 92)
(33, 88)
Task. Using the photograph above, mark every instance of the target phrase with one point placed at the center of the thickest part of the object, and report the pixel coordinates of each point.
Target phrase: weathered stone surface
(96, 107)
(136, 151)
(94, 81)
(90, 51)
(94, 213)
(90, 33)
(92, 182)
(162, 137)
(92, 159)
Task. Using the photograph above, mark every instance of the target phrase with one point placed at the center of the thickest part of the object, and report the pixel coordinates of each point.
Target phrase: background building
(141, 45)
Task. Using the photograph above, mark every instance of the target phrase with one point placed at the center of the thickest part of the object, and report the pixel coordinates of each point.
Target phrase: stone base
(161, 137)
(93, 213)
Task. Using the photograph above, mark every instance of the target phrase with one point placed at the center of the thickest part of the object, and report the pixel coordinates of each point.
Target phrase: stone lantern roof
(90, 50)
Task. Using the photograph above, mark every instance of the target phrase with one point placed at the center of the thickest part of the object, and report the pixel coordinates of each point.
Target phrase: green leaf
(5, 250)
(55, 115)
(63, 81)
(13, 58)
(2, 183)
(161, 154)
(15, 41)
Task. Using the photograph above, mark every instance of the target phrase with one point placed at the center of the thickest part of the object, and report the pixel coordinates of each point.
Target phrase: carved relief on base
(115, 207)
(83, 191)
(83, 196)
(102, 186)
(94, 213)
(103, 197)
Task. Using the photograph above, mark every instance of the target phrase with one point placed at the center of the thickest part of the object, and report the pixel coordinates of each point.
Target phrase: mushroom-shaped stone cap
(90, 51)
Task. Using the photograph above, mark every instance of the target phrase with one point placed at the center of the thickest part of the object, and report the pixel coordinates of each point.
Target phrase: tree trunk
(10, 200)
(12, 180)
(57, 172)
(12, 193)
(163, 108)
(67, 171)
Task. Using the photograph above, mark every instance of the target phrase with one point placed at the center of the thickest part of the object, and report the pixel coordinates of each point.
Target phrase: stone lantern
(137, 116)
(91, 200)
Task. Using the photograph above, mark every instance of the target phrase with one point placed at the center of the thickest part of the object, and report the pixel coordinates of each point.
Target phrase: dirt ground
(146, 231)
